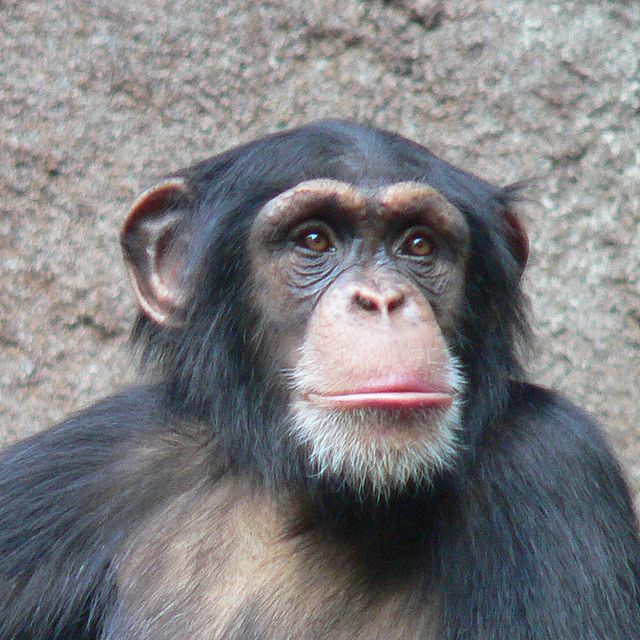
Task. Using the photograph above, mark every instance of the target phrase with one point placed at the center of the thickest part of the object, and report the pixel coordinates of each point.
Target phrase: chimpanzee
(335, 440)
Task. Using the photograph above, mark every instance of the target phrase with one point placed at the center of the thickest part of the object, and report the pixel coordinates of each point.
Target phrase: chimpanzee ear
(516, 237)
(154, 249)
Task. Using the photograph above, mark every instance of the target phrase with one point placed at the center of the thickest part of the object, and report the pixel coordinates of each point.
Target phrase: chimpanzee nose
(385, 301)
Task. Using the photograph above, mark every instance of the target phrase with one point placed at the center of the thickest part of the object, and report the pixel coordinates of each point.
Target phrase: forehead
(389, 202)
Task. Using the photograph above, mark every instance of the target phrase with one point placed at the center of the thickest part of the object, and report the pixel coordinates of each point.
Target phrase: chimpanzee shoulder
(69, 497)
(545, 513)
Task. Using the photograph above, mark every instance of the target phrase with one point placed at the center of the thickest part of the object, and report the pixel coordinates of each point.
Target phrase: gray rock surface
(100, 98)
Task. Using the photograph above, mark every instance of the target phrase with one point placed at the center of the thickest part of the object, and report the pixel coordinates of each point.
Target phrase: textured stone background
(100, 98)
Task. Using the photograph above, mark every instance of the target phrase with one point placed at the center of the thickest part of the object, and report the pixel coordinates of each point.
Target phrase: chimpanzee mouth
(390, 394)
(401, 400)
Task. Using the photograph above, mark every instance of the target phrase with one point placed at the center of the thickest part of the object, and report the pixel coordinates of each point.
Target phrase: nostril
(395, 301)
(365, 302)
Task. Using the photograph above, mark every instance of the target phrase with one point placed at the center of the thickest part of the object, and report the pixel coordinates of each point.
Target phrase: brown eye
(315, 240)
(417, 244)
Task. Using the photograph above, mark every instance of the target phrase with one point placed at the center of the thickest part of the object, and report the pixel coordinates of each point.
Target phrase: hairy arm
(68, 498)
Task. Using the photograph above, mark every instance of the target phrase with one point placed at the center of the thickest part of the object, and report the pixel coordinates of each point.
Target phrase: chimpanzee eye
(418, 244)
(314, 239)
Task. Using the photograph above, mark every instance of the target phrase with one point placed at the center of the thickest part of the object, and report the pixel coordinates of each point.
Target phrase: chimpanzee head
(335, 301)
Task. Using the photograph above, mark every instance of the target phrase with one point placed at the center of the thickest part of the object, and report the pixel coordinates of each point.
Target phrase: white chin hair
(348, 445)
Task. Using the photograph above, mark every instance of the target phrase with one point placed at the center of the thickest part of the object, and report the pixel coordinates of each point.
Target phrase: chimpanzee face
(358, 291)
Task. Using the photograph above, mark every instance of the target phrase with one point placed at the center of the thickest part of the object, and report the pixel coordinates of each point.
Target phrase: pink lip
(403, 394)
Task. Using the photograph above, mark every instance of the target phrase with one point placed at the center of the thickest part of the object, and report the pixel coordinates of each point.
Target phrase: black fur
(532, 537)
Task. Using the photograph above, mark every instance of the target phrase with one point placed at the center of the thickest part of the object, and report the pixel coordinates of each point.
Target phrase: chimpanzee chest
(213, 567)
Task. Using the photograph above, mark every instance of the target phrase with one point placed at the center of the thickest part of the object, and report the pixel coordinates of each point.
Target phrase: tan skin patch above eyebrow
(410, 198)
(311, 193)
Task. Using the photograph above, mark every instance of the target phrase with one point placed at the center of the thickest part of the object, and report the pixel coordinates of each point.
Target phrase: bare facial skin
(371, 279)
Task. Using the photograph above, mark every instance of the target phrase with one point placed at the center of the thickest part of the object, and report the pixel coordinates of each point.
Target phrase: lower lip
(384, 400)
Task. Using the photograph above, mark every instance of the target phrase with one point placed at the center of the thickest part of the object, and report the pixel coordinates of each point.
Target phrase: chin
(379, 450)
